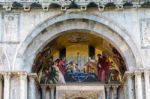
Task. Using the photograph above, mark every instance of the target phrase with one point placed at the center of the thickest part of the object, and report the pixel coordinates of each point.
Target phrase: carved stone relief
(10, 27)
(145, 31)
(75, 91)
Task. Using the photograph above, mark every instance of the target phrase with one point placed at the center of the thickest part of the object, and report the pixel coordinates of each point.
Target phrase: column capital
(32, 76)
(43, 86)
(115, 87)
(137, 72)
(6, 75)
(23, 75)
(146, 71)
(128, 73)
(20, 74)
(107, 86)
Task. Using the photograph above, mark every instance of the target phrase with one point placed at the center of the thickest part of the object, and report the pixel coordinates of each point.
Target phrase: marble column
(43, 92)
(125, 91)
(1, 86)
(121, 94)
(138, 85)
(147, 84)
(48, 94)
(23, 85)
(32, 86)
(52, 92)
(7, 76)
(108, 92)
(114, 92)
(130, 92)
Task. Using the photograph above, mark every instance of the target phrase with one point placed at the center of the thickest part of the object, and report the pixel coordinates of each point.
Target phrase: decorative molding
(65, 4)
(84, 94)
(75, 91)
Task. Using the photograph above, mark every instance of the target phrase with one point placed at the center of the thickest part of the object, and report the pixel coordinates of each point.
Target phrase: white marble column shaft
(7, 77)
(114, 92)
(52, 92)
(32, 87)
(138, 85)
(43, 92)
(1, 86)
(48, 94)
(147, 84)
(108, 92)
(130, 91)
(23, 85)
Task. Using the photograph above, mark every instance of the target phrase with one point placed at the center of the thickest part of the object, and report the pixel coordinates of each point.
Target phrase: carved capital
(114, 87)
(146, 72)
(6, 75)
(128, 74)
(32, 75)
(43, 87)
(23, 75)
(19, 74)
(138, 73)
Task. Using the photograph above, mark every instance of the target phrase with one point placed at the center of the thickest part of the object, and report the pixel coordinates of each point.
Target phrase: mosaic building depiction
(74, 49)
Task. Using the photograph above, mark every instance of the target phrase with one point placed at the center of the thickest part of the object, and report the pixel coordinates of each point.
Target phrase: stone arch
(101, 26)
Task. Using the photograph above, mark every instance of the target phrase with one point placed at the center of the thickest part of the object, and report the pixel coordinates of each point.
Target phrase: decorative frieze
(74, 91)
(65, 4)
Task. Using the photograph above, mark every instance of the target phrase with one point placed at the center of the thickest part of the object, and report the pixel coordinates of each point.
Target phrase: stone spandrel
(10, 27)
(145, 31)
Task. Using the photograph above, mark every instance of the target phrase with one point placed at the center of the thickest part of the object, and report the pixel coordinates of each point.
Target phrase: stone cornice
(65, 4)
